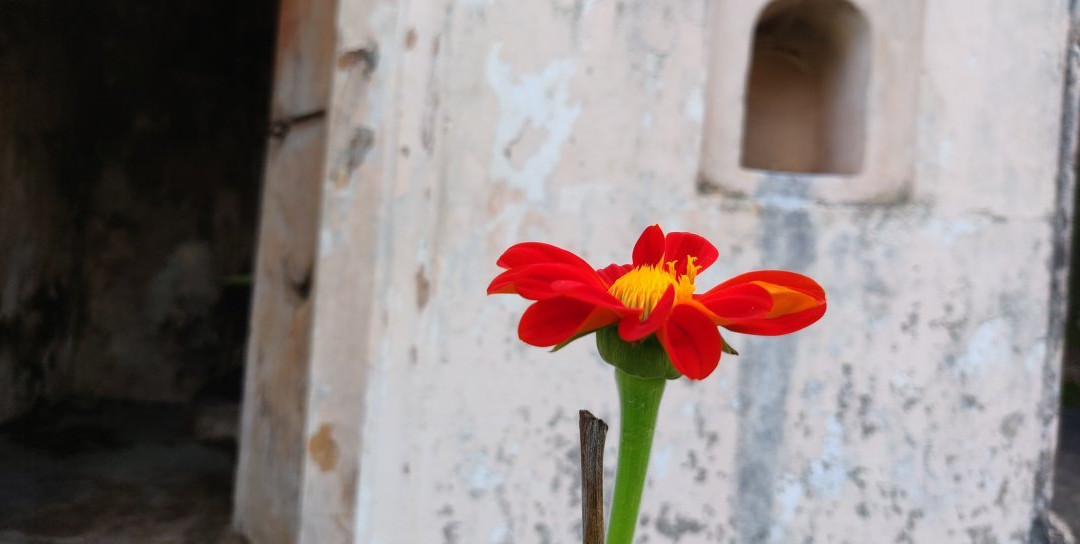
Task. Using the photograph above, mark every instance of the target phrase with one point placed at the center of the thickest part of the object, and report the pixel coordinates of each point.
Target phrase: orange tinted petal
(738, 301)
(692, 342)
(782, 278)
(787, 301)
(502, 284)
(797, 301)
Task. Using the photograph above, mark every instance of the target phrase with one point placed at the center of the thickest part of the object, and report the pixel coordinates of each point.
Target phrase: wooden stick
(593, 433)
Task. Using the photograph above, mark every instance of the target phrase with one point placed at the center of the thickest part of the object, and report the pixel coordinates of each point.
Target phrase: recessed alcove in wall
(817, 98)
(806, 88)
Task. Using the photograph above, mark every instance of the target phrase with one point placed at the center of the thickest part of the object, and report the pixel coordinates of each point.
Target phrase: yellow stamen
(644, 286)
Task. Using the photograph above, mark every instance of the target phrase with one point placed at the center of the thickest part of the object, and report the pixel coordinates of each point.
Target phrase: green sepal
(567, 342)
(645, 358)
(727, 347)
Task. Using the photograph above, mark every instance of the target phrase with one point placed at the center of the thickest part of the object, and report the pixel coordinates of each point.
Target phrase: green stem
(639, 402)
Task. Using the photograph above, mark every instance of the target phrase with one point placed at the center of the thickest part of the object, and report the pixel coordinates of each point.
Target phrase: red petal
(501, 286)
(553, 321)
(632, 328)
(613, 272)
(775, 326)
(692, 342)
(591, 294)
(783, 278)
(545, 280)
(527, 253)
(649, 248)
(797, 301)
(503, 283)
(680, 245)
(738, 301)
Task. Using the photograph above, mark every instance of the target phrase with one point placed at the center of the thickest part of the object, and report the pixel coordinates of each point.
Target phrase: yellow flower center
(644, 286)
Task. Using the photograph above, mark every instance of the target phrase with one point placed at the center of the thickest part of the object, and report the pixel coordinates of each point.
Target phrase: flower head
(654, 295)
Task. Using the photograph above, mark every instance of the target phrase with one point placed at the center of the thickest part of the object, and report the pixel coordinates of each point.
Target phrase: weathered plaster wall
(920, 409)
(269, 482)
(131, 154)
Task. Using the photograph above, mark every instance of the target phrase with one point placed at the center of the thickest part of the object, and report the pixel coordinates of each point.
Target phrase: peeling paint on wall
(915, 412)
(536, 116)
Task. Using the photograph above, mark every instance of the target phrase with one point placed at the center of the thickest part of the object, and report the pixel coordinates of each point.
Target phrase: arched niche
(806, 88)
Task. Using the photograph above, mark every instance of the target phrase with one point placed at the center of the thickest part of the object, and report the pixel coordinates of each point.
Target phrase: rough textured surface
(273, 439)
(921, 409)
(88, 472)
(130, 156)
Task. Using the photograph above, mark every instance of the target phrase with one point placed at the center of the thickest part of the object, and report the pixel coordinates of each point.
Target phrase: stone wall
(921, 408)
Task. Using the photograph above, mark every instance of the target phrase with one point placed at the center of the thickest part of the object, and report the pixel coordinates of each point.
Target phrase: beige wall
(920, 409)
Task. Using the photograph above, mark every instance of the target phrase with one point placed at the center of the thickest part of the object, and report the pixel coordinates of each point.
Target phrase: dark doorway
(131, 150)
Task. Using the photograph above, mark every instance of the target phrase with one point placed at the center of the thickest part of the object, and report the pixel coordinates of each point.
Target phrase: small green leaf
(566, 343)
(727, 348)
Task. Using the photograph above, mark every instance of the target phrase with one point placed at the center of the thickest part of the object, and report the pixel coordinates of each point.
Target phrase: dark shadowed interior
(131, 148)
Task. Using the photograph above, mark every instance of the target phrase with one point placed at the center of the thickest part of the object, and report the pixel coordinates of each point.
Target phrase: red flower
(654, 295)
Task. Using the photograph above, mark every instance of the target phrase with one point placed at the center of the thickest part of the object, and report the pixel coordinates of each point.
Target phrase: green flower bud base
(645, 358)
